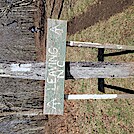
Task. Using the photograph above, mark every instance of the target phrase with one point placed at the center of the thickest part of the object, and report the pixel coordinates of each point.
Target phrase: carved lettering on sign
(57, 30)
(55, 67)
(52, 104)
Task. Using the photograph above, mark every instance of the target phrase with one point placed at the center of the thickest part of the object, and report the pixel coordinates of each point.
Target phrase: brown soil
(103, 10)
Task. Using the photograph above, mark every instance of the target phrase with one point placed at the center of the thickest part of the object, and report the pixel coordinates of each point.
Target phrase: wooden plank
(98, 45)
(27, 70)
(101, 70)
(23, 113)
(74, 70)
(55, 67)
(22, 124)
(20, 100)
(20, 97)
(98, 96)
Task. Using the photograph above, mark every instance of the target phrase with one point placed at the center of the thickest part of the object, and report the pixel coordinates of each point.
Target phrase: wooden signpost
(55, 67)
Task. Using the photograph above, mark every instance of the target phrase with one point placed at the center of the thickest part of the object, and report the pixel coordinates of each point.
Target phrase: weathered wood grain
(98, 45)
(101, 70)
(14, 32)
(21, 106)
(55, 67)
(22, 125)
(21, 101)
(74, 70)
(20, 97)
(27, 70)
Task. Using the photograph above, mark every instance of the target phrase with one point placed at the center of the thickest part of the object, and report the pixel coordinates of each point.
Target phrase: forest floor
(102, 21)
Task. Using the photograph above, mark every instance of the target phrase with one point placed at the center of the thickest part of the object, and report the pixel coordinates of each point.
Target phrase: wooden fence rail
(98, 96)
(98, 45)
(74, 70)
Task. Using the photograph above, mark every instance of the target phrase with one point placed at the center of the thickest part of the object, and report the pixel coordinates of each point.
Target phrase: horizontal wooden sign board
(55, 67)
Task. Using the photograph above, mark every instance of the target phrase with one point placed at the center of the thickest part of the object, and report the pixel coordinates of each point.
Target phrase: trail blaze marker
(55, 67)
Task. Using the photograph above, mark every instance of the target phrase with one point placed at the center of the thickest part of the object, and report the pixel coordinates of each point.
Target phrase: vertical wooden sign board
(55, 67)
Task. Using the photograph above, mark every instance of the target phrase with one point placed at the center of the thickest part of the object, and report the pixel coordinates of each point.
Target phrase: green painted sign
(55, 67)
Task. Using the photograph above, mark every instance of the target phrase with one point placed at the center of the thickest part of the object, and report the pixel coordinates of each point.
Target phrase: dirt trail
(103, 10)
